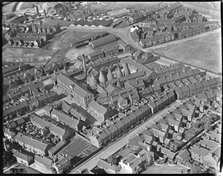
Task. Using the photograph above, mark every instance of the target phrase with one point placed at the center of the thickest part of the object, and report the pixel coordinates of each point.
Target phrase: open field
(204, 52)
(165, 169)
(210, 9)
(119, 5)
(67, 38)
(63, 41)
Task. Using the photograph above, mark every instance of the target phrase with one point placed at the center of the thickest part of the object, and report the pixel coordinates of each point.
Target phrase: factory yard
(197, 52)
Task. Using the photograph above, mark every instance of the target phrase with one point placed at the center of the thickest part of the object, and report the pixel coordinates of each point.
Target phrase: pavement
(121, 142)
(8, 169)
(40, 168)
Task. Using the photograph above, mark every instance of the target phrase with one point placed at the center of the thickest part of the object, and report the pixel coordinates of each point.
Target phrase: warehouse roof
(31, 141)
(73, 85)
(102, 41)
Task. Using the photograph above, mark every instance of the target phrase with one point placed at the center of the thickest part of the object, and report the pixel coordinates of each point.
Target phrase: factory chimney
(25, 17)
(84, 63)
(69, 4)
(126, 69)
(44, 13)
(37, 9)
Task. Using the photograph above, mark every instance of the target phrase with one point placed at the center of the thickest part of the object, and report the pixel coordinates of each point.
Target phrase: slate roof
(105, 165)
(31, 141)
(118, 123)
(99, 108)
(40, 121)
(125, 120)
(199, 150)
(22, 155)
(46, 161)
(75, 86)
(68, 120)
(104, 40)
(168, 153)
(79, 112)
(184, 155)
(57, 147)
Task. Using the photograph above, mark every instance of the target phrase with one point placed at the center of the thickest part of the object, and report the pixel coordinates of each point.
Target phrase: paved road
(8, 169)
(115, 146)
(17, 8)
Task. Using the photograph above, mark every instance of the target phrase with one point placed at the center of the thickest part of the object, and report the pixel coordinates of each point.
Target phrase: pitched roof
(65, 106)
(104, 40)
(168, 153)
(79, 112)
(125, 120)
(199, 150)
(58, 129)
(184, 155)
(22, 155)
(212, 145)
(105, 165)
(99, 108)
(40, 121)
(57, 147)
(173, 121)
(31, 141)
(73, 85)
(46, 161)
(135, 140)
(68, 120)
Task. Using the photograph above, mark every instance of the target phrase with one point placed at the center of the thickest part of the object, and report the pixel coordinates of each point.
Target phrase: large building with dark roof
(71, 88)
(100, 112)
(103, 41)
(65, 118)
(31, 144)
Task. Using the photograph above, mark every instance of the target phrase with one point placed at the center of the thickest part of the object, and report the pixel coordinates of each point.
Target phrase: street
(121, 142)
(8, 169)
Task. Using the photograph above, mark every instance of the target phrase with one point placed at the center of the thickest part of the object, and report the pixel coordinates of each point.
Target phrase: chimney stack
(25, 17)
(44, 13)
(69, 4)
(84, 63)
(37, 9)
(118, 73)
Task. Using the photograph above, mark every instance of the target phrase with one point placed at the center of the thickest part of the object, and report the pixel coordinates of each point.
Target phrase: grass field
(210, 9)
(204, 52)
